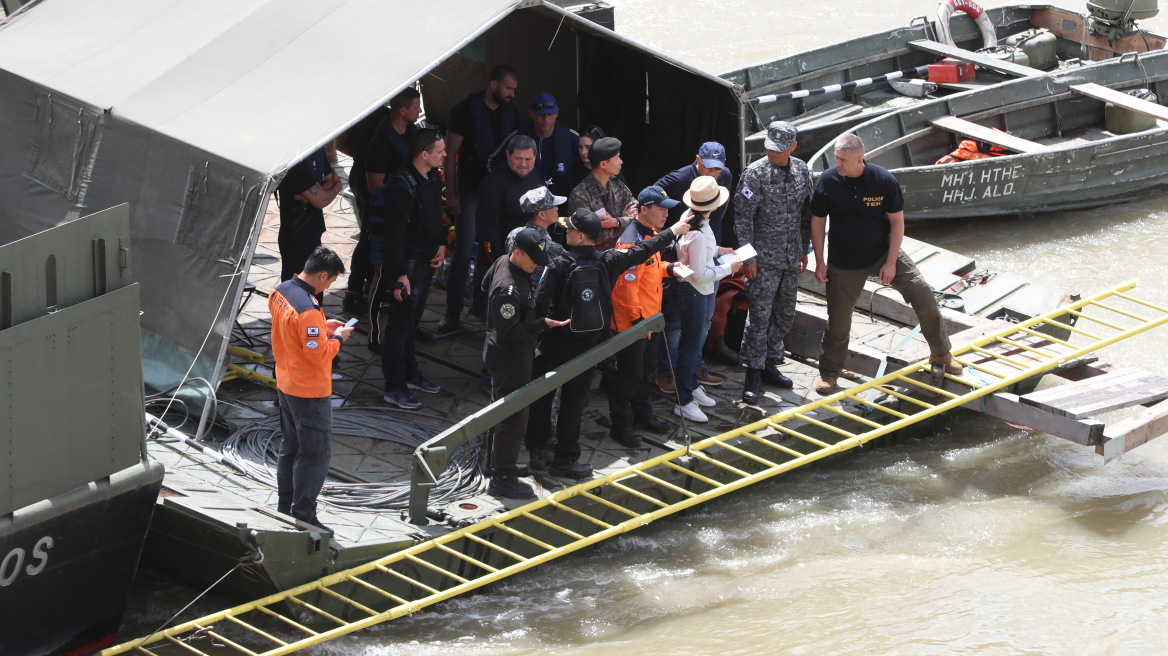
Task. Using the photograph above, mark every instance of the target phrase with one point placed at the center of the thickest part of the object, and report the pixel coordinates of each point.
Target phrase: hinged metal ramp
(551, 527)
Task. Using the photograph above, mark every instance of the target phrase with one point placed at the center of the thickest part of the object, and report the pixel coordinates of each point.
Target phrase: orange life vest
(970, 149)
(637, 292)
(301, 345)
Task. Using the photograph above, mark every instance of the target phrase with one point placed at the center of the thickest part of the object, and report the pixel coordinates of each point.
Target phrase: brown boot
(825, 385)
(952, 367)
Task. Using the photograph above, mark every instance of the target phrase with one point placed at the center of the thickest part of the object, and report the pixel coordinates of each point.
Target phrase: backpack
(582, 297)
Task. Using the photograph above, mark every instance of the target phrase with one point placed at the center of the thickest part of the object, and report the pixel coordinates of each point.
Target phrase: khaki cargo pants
(843, 291)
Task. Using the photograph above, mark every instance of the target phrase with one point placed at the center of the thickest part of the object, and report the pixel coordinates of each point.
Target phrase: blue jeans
(667, 360)
(398, 363)
(695, 310)
(464, 250)
(305, 425)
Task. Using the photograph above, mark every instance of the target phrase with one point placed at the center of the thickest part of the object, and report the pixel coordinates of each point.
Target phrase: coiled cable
(254, 449)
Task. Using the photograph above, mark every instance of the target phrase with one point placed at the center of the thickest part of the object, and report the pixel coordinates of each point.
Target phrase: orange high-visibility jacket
(637, 292)
(302, 347)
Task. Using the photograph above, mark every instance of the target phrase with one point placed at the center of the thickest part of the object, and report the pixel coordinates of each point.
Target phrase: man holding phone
(304, 344)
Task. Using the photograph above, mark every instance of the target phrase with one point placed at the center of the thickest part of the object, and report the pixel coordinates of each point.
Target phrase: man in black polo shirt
(866, 207)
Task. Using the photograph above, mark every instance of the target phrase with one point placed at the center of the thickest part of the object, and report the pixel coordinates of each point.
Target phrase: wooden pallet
(1115, 390)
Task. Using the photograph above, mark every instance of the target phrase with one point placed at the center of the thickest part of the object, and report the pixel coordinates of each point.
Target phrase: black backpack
(582, 297)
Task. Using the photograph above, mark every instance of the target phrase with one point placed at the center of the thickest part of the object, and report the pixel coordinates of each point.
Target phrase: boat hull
(1072, 161)
(822, 117)
(68, 563)
(1114, 171)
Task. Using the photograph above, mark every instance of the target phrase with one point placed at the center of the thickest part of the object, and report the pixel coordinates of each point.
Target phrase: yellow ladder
(413, 579)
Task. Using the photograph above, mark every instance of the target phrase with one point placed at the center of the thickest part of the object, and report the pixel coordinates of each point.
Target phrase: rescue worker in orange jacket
(637, 296)
(304, 344)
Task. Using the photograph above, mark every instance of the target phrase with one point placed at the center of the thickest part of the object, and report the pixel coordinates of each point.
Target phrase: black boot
(622, 432)
(538, 459)
(723, 353)
(652, 424)
(772, 376)
(506, 484)
(751, 388)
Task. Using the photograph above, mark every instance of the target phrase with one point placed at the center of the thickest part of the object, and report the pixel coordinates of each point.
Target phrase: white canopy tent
(191, 112)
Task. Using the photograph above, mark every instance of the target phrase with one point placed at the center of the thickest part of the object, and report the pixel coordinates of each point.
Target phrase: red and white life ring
(947, 8)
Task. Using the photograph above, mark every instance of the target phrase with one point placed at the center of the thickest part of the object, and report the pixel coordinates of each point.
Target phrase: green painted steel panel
(70, 345)
(75, 373)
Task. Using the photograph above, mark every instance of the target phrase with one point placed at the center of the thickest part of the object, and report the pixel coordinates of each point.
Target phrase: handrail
(431, 457)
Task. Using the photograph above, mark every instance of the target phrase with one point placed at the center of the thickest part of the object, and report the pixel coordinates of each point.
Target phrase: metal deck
(504, 545)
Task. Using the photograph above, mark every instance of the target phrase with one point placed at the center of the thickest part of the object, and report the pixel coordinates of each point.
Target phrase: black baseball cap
(585, 221)
(534, 244)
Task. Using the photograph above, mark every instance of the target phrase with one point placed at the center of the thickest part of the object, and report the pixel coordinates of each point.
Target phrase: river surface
(983, 539)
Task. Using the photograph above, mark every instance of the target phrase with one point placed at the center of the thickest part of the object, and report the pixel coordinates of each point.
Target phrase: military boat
(79, 489)
(831, 89)
(1043, 144)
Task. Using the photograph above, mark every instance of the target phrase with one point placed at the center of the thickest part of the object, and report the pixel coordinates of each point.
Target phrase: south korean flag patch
(747, 192)
(314, 331)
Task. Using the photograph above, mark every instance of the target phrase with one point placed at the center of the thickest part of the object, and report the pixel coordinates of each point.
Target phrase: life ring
(947, 8)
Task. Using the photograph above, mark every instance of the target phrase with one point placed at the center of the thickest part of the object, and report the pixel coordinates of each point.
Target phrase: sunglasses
(550, 105)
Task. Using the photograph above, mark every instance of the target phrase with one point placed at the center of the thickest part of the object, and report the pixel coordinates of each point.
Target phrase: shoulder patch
(507, 310)
(747, 192)
(312, 343)
(313, 331)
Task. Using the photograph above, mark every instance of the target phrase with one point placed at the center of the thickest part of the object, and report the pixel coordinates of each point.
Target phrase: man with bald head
(866, 208)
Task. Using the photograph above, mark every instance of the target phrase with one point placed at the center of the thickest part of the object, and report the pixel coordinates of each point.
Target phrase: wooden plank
(1113, 391)
(1121, 99)
(984, 61)
(1006, 407)
(988, 135)
(1086, 370)
(1141, 428)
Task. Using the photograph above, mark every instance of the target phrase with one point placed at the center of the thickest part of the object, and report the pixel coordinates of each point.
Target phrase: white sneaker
(703, 399)
(691, 411)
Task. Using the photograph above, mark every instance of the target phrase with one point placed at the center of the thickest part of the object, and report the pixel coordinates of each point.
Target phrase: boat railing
(431, 458)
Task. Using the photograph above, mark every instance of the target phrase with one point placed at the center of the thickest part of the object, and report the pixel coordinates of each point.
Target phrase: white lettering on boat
(14, 560)
(972, 184)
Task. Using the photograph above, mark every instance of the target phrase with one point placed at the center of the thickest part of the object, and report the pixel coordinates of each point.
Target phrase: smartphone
(351, 322)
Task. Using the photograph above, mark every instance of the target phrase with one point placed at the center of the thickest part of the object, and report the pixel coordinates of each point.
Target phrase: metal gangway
(410, 580)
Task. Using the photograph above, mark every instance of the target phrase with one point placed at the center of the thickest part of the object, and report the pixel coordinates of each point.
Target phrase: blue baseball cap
(656, 196)
(544, 103)
(713, 155)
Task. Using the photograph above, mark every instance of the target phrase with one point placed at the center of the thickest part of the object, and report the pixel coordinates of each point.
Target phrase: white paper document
(743, 253)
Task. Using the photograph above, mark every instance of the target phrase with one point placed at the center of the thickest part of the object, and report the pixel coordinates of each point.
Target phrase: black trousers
(508, 372)
(301, 226)
(556, 350)
(628, 387)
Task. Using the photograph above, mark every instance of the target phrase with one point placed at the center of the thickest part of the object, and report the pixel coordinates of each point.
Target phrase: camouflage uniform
(771, 213)
(591, 196)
